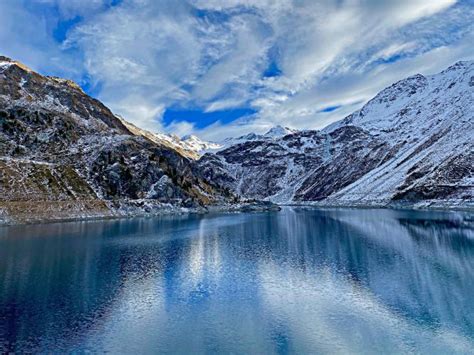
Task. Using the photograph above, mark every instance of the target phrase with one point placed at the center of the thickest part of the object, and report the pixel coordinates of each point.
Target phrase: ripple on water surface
(299, 280)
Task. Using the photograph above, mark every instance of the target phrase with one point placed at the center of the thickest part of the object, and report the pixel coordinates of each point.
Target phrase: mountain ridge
(63, 155)
(404, 133)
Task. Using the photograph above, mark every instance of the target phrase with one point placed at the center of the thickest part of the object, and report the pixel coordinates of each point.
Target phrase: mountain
(65, 155)
(196, 144)
(189, 146)
(276, 132)
(411, 145)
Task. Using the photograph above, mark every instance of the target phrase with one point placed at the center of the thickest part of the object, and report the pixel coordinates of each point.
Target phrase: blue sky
(221, 68)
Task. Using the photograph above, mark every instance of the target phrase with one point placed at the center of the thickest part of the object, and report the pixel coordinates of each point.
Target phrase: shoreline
(413, 207)
(7, 220)
(238, 208)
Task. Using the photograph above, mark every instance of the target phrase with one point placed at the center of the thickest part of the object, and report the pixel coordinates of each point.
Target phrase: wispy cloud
(144, 57)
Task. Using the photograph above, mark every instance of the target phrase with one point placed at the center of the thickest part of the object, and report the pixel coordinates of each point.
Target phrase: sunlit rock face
(412, 144)
(64, 154)
(188, 146)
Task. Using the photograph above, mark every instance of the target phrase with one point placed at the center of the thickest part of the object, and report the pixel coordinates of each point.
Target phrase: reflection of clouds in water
(136, 317)
(329, 313)
(204, 254)
(299, 280)
(186, 303)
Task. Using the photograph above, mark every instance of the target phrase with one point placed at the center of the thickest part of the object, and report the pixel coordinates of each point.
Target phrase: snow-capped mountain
(278, 132)
(411, 144)
(189, 146)
(274, 133)
(64, 154)
(429, 122)
(194, 147)
(194, 143)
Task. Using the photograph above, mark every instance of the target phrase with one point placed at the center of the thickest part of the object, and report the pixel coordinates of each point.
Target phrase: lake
(297, 281)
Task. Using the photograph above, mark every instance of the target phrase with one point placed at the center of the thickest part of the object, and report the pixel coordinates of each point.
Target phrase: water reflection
(302, 280)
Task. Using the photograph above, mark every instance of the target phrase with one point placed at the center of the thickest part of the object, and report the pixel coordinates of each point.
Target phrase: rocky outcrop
(411, 145)
(69, 154)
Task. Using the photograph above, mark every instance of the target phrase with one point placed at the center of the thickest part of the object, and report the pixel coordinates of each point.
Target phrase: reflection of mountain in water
(300, 280)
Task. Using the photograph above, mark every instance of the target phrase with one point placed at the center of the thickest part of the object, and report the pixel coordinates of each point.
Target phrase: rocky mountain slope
(193, 147)
(189, 146)
(64, 154)
(413, 144)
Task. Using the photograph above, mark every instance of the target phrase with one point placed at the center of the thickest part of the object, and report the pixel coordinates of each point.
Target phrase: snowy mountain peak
(279, 131)
(274, 133)
(190, 137)
(411, 144)
(196, 144)
(406, 87)
(189, 146)
(460, 65)
(406, 109)
(6, 62)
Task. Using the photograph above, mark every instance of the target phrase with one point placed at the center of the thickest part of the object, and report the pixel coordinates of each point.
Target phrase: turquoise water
(295, 281)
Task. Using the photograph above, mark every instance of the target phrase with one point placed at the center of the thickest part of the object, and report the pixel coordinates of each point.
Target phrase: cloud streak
(144, 56)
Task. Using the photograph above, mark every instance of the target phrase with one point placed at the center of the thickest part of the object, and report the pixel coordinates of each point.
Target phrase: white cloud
(26, 37)
(138, 109)
(395, 48)
(148, 55)
(326, 49)
(140, 49)
(351, 91)
(248, 48)
(180, 128)
(224, 104)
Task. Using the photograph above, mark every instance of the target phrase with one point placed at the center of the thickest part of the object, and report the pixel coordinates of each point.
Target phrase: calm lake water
(295, 281)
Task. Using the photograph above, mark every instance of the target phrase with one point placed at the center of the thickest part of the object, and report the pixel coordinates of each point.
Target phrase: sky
(221, 68)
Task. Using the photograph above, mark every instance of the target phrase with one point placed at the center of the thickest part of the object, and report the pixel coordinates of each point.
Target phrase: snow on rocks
(413, 143)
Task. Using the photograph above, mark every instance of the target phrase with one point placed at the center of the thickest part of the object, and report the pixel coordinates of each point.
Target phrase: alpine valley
(64, 155)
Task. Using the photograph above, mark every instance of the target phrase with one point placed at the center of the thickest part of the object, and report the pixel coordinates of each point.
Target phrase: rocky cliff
(65, 155)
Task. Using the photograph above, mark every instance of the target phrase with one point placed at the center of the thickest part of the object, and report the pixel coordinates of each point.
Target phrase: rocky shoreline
(89, 214)
(433, 206)
(245, 207)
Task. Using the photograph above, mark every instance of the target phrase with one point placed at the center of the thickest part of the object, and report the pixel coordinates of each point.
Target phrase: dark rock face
(58, 144)
(354, 153)
(441, 182)
(18, 82)
(311, 163)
